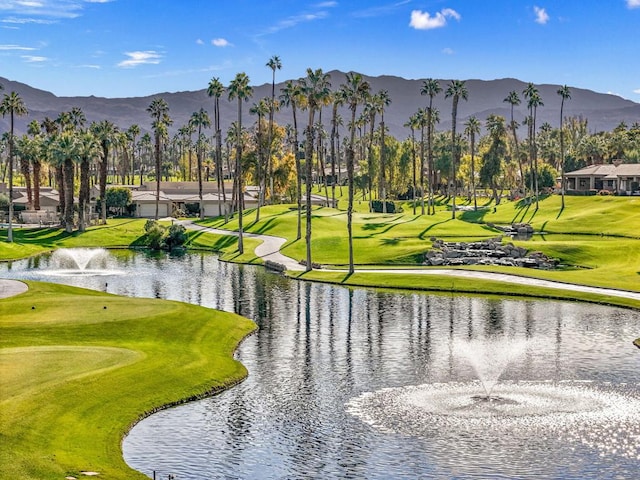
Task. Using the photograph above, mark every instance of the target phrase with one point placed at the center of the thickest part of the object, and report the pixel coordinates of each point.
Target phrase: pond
(361, 383)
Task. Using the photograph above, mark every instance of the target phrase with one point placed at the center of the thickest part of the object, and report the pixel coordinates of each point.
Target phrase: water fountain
(80, 261)
(493, 411)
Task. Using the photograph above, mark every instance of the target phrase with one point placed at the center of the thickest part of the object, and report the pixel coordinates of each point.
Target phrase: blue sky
(122, 48)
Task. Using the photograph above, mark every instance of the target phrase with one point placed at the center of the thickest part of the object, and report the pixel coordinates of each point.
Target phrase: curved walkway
(9, 288)
(270, 250)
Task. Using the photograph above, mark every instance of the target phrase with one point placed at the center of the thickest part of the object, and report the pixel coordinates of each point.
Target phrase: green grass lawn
(71, 384)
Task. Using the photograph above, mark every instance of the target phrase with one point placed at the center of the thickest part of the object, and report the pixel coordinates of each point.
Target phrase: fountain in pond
(496, 412)
(81, 261)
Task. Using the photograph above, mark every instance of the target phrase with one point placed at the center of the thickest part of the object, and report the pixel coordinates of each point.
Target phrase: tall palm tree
(532, 94)
(132, 134)
(472, 128)
(338, 100)
(215, 90)
(260, 109)
(432, 88)
(565, 93)
(29, 149)
(291, 95)
(513, 99)
(12, 105)
(239, 88)
(104, 132)
(159, 112)
(64, 151)
(354, 92)
(370, 110)
(89, 149)
(35, 130)
(274, 64)
(384, 101)
(316, 90)
(413, 124)
(422, 118)
(456, 90)
(200, 120)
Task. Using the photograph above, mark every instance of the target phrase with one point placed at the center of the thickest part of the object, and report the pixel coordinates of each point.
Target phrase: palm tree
(413, 124)
(215, 90)
(534, 101)
(422, 118)
(64, 152)
(316, 89)
(274, 64)
(260, 109)
(456, 90)
(159, 112)
(239, 88)
(132, 133)
(384, 101)
(12, 105)
(565, 93)
(105, 132)
(200, 120)
(291, 95)
(354, 91)
(35, 130)
(30, 152)
(430, 87)
(89, 148)
(513, 99)
(338, 100)
(472, 128)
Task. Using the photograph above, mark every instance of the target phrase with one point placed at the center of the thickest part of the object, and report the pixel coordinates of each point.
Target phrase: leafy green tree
(494, 156)
(118, 199)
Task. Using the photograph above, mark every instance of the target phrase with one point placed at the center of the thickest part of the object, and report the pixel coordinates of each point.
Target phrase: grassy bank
(72, 384)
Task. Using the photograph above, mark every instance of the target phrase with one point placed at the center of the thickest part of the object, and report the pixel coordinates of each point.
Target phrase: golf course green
(79, 367)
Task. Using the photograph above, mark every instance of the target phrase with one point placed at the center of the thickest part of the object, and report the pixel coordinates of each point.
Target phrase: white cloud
(424, 21)
(220, 42)
(542, 17)
(448, 51)
(637, 90)
(199, 41)
(34, 59)
(140, 58)
(326, 4)
(633, 3)
(15, 47)
(43, 11)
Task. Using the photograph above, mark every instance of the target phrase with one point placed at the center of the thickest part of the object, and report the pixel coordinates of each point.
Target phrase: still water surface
(319, 347)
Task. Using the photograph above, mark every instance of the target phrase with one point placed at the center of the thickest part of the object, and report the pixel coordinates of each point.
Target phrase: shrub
(376, 206)
(118, 199)
(162, 238)
(175, 237)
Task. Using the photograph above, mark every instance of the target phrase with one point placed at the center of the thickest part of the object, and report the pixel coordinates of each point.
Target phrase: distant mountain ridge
(603, 111)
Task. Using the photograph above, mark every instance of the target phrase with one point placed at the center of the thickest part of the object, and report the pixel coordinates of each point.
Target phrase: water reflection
(320, 346)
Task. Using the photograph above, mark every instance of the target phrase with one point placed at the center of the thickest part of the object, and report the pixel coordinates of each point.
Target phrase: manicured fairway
(78, 368)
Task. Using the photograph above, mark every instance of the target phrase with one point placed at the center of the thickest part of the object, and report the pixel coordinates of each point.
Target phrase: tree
(65, 152)
(260, 109)
(274, 64)
(338, 101)
(472, 128)
(456, 90)
(239, 88)
(565, 93)
(513, 99)
(383, 101)
(200, 120)
(354, 91)
(413, 124)
(534, 101)
(132, 133)
(215, 90)
(88, 149)
(291, 95)
(316, 90)
(104, 132)
(159, 112)
(118, 198)
(431, 88)
(12, 105)
(492, 159)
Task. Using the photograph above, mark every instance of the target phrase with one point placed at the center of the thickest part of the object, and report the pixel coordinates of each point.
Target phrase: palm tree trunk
(350, 162)
(61, 192)
(68, 177)
(83, 198)
(102, 180)
(309, 163)
(36, 184)
(298, 173)
(239, 178)
(454, 154)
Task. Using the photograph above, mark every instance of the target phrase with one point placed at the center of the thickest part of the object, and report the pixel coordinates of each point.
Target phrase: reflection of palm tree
(215, 90)
(12, 105)
(456, 90)
(200, 120)
(239, 88)
(354, 92)
(291, 95)
(472, 128)
(432, 88)
(316, 90)
(565, 93)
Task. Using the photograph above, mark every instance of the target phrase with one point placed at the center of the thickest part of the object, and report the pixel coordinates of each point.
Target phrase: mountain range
(603, 111)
